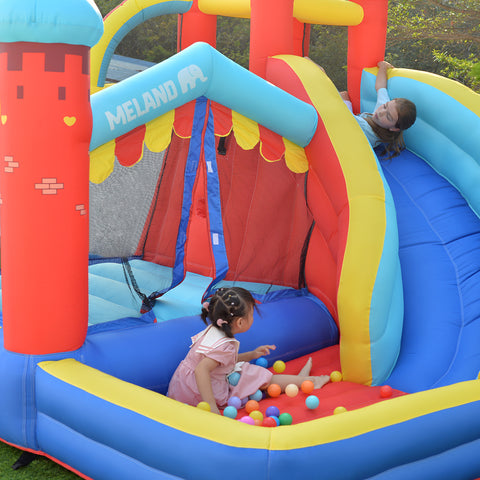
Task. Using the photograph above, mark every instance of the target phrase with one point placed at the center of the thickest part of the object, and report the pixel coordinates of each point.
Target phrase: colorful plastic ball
(234, 378)
(307, 386)
(386, 391)
(247, 419)
(279, 366)
(291, 390)
(204, 406)
(261, 362)
(235, 402)
(276, 419)
(274, 390)
(285, 419)
(230, 412)
(312, 402)
(258, 395)
(272, 411)
(336, 376)
(257, 421)
(269, 422)
(339, 410)
(251, 406)
(257, 415)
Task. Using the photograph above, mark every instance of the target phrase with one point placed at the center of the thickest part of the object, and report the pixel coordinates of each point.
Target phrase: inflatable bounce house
(124, 205)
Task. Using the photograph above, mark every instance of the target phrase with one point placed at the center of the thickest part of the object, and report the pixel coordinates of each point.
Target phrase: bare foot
(305, 371)
(319, 382)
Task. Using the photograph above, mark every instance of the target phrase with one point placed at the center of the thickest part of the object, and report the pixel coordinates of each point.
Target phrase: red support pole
(271, 32)
(195, 26)
(301, 38)
(45, 130)
(366, 44)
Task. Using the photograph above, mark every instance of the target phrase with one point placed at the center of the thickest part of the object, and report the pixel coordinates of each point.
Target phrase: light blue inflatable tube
(445, 129)
(75, 22)
(197, 71)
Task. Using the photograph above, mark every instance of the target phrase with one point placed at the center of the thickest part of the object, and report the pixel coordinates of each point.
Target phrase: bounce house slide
(434, 186)
(269, 183)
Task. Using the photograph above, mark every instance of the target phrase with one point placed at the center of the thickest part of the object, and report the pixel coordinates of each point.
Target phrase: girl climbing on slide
(390, 118)
(213, 355)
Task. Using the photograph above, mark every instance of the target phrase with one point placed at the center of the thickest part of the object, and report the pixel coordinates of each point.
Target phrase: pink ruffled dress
(213, 343)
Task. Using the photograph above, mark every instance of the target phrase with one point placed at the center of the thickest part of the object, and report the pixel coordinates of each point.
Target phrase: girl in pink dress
(213, 355)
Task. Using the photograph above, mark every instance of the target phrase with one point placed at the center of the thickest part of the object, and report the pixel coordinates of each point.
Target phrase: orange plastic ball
(251, 405)
(274, 390)
(307, 386)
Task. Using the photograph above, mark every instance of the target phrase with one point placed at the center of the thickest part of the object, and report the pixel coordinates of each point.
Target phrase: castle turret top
(76, 22)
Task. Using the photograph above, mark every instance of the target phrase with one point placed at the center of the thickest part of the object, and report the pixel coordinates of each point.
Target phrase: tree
(439, 36)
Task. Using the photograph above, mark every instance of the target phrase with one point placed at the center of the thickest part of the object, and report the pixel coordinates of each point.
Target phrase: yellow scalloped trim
(102, 160)
(246, 131)
(158, 132)
(295, 157)
(158, 135)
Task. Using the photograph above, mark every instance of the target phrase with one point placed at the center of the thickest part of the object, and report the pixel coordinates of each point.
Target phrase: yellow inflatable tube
(167, 436)
(369, 300)
(119, 22)
(322, 12)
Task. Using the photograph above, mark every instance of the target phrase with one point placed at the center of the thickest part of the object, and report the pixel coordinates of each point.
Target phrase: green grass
(40, 469)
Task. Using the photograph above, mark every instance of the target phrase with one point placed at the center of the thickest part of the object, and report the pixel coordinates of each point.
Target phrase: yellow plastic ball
(204, 406)
(336, 376)
(291, 390)
(339, 410)
(257, 415)
(279, 366)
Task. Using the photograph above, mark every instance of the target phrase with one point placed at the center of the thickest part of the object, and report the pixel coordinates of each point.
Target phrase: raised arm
(257, 353)
(381, 81)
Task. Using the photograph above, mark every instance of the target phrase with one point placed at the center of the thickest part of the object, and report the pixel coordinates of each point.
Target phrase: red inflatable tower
(45, 129)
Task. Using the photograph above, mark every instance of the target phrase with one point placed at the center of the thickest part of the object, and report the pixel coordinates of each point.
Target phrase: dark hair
(227, 304)
(393, 142)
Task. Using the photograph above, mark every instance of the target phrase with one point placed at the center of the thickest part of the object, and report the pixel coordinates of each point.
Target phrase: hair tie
(220, 322)
(205, 305)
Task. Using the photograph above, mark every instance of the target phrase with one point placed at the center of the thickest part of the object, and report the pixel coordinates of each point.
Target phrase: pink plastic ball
(247, 419)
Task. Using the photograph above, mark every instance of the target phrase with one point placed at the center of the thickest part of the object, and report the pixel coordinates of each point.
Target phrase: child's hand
(263, 350)
(384, 64)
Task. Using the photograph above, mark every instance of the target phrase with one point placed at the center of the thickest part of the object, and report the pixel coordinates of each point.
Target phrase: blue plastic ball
(230, 412)
(262, 362)
(312, 402)
(272, 411)
(234, 402)
(258, 395)
(234, 378)
(276, 419)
